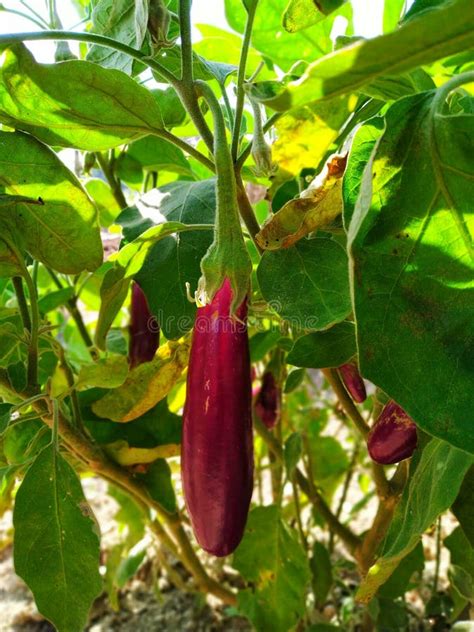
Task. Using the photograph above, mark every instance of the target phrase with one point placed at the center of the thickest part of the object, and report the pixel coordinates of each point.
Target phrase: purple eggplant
(268, 400)
(144, 330)
(353, 381)
(393, 437)
(217, 444)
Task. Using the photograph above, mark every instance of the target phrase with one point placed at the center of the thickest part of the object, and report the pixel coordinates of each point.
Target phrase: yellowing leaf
(145, 385)
(125, 455)
(317, 207)
(305, 134)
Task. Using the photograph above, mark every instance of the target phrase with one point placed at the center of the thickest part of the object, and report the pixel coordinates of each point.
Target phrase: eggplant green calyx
(227, 256)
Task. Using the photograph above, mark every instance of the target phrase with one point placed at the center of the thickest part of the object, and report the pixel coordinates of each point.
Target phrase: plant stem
(114, 184)
(182, 144)
(22, 304)
(246, 210)
(71, 305)
(241, 78)
(24, 15)
(186, 44)
(32, 367)
(345, 489)
(438, 556)
(299, 522)
(228, 107)
(350, 539)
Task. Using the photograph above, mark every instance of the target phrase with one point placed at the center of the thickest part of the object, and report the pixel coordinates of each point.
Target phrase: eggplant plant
(262, 206)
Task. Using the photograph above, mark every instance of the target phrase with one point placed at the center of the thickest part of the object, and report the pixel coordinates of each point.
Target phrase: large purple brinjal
(353, 381)
(268, 400)
(217, 444)
(393, 438)
(144, 330)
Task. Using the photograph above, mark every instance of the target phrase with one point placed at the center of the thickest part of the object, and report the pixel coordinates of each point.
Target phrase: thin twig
(22, 304)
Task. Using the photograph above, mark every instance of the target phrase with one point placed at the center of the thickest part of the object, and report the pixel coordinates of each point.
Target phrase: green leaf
(157, 427)
(172, 110)
(270, 38)
(116, 19)
(63, 233)
(156, 154)
(104, 200)
(329, 461)
(463, 507)
(461, 550)
(413, 264)
(362, 147)
(5, 414)
(398, 583)
(56, 548)
(74, 103)
(308, 283)
(292, 452)
(262, 342)
(321, 569)
(270, 556)
(176, 260)
(157, 481)
(329, 348)
(436, 34)
(430, 491)
(294, 379)
(392, 11)
(462, 581)
(300, 14)
(113, 292)
(53, 300)
(108, 372)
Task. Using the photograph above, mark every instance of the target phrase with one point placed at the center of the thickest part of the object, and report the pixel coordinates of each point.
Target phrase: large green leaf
(444, 31)
(63, 232)
(307, 284)
(56, 547)
(74, 103)
(413, 267)
(463, 507)
(270, 38)
(430, 491)
(272, 559)
(175, 261)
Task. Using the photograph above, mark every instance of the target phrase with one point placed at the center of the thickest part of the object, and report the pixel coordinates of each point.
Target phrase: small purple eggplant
(217, 443)
(144, 330)
(268, 400)
(393, 438)
(353, 381)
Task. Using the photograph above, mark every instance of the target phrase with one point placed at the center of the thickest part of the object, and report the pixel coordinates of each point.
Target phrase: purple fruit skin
(353, 382)
(144, 331)
(217, 442)
(393, 437)
(268, 401)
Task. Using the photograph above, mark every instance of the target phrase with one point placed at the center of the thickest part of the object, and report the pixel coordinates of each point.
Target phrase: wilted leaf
(317, 207)
(145, 385)
(300, 14)
(108, 372)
